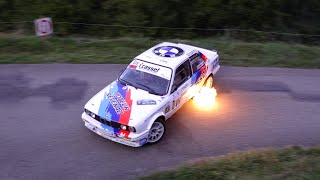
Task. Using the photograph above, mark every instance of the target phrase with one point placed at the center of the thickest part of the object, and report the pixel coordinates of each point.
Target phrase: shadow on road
(16, 87)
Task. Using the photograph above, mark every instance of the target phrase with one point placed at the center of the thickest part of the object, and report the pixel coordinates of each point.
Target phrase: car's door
(180, 86)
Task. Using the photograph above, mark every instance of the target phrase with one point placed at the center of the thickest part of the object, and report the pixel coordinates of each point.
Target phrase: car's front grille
(103, 121)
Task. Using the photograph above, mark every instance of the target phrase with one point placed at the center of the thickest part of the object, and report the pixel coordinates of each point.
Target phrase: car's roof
(167, 54)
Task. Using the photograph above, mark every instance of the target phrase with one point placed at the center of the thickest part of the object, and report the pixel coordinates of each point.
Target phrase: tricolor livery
(133, 109)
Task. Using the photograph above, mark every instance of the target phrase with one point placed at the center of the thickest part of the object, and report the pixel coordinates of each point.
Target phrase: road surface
(43, 137)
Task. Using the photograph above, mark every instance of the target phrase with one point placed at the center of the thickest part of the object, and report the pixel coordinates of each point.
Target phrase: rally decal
(123, 133)
(116, 104)
(117, 132)
(199, 75)
(151, 69)
(124, 117)
(202, 56)
(168, 51)
(148, 68)
(109, 129)
(134, 64)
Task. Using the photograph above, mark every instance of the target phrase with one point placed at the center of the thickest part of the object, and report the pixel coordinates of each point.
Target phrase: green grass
(288, 163)
(29, 49)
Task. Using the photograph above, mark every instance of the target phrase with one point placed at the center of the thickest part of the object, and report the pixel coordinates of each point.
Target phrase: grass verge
(29, 50)
(287, 163)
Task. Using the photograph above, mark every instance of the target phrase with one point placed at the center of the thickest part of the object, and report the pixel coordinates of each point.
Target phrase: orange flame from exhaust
(206, 98)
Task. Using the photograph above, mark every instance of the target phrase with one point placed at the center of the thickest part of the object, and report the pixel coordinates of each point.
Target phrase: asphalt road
(43, 137)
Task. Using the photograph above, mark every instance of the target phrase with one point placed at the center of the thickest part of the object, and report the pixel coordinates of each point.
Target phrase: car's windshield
(151, 78)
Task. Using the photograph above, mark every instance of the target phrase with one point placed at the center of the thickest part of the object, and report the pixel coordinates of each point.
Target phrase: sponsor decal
(151, 68)
(134, 64)
(118, 103)
(196, 53)
(146, 102)
(168, 51)
(107, 130)
(198, 76)
(124, 118)
(167, 109)
(123, 134)
(200, 65)
(122, 102)
(143, 141)
(202, 56)
(148, 68)
(131, 66)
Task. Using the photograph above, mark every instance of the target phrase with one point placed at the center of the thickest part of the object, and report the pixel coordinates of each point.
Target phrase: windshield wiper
(152, 91)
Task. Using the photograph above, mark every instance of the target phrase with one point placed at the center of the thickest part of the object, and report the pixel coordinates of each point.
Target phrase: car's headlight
(90, 113)
(87, 111)
(131, 129)
(127, 128)
(123, 127)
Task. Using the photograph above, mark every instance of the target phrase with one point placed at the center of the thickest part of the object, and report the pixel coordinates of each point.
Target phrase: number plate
(104, 133)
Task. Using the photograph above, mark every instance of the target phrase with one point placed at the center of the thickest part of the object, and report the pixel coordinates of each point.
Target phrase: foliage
(30, 49)
(287, 163)
(294, 16)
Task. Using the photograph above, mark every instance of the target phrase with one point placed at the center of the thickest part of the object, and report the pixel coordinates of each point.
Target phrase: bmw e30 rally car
(133, 109)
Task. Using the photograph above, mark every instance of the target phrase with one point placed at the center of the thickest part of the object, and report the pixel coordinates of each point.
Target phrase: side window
(196, 62)
(183, 73)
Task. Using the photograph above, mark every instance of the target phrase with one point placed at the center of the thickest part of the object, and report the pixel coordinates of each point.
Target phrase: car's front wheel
(157, 131)
(209, 82)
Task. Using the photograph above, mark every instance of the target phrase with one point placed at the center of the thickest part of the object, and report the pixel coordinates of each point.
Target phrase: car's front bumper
(134, 139)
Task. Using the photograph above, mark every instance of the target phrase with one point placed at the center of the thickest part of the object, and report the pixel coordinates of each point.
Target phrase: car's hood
(124, 104)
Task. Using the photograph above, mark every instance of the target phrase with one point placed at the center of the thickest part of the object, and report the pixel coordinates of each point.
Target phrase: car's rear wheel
(209, 82)
(157, 131)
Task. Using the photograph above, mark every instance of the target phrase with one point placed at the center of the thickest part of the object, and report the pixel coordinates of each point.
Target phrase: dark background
(292, 16)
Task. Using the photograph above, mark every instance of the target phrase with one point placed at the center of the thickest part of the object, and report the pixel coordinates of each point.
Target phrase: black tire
(207, 83)
(153, 138)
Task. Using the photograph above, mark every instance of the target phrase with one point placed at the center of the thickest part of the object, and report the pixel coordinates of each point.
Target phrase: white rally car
(133, 109)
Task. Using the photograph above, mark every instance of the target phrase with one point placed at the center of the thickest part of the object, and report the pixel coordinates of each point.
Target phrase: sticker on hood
(154, 69)
(116, 104)
(146, 102)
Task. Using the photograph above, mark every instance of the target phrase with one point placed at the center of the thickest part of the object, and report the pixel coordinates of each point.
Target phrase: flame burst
(206, 97)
